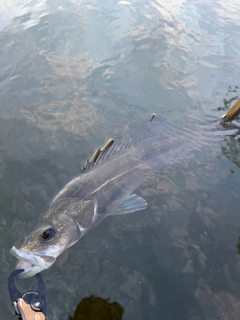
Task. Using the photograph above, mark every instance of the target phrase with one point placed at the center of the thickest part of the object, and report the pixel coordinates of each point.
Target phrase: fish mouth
(31, 262)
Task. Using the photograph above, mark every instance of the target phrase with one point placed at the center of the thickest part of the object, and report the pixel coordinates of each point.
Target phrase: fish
(233, 112)
(105, 187)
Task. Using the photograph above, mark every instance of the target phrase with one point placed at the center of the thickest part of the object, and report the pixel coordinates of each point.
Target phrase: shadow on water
(238, 245)
(93, 308)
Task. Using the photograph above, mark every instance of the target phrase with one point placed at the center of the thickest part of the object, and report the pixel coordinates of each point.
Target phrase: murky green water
(74, 73)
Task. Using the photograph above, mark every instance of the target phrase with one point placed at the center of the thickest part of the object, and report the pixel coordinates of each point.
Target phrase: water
(74, 73)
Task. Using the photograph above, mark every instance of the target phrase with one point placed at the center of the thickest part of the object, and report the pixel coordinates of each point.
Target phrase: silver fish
(104, 188)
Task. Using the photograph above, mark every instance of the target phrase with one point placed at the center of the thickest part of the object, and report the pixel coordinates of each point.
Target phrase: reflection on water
(72, 74)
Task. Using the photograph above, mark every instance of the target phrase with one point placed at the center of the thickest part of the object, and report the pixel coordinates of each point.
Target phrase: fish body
(105, 188)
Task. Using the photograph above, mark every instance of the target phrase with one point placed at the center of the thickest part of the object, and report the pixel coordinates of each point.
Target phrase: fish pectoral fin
(131, 204)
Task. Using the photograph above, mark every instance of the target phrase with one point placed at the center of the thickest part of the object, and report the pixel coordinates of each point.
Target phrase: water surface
(74, 73)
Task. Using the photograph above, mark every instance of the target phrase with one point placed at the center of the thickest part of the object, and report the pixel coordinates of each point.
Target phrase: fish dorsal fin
(160, 127)
(110, 148)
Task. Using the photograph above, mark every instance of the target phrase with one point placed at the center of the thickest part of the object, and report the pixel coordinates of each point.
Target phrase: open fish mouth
(31, 262)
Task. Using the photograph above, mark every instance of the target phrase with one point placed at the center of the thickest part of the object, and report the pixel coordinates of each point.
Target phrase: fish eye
(48, 234)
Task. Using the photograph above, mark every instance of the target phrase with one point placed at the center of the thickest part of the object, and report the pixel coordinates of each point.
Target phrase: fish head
(39, 247)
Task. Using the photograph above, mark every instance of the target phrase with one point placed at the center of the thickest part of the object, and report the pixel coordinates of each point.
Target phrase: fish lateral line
(110, 180)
